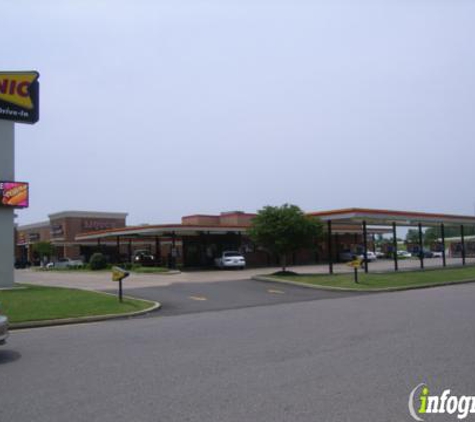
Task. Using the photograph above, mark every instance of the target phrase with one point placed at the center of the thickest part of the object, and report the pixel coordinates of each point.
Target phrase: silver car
(3, 329)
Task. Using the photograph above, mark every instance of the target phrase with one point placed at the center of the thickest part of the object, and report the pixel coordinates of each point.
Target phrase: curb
(7, 289)
(80, 320)
(347, 289)
(174, 272)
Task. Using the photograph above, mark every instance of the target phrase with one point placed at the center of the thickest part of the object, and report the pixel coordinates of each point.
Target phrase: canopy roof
(161, 230)
(169, 230)
(345, 221)
(387, 217)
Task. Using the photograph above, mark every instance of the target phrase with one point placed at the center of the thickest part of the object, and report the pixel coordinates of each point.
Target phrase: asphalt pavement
(348, 359)
(184, 298)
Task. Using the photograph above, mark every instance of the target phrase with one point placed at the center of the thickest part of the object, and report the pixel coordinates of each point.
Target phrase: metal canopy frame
(373, 217)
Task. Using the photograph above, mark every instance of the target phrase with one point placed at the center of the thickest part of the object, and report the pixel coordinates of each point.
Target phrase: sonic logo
(15, 88)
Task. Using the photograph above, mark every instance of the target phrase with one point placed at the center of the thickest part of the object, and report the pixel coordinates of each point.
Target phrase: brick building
(61, 230)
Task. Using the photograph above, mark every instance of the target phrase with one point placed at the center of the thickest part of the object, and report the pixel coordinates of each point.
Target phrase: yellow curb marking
(197, 298)
(279, 292)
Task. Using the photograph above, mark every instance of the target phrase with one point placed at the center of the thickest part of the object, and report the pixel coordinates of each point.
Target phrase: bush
(98, 261)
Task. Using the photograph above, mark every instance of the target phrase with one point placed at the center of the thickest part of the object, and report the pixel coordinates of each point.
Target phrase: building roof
(151, 231)
(87, 214)
(34, 226)
(161, 230)
(387, 217)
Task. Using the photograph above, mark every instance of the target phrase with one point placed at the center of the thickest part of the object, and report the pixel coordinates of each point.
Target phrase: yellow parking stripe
(279, 292)
(197, 298)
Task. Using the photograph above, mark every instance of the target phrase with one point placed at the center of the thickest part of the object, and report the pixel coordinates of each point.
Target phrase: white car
(370, 256)
(230, 259)
(437, 254)
(403, 254)
(65, 263)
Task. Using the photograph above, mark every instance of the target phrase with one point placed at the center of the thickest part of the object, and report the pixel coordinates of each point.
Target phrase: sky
(169, 108)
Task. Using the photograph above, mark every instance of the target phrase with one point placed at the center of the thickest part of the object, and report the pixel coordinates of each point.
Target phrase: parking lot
(101, 280)
(185, 298)
(212, 290)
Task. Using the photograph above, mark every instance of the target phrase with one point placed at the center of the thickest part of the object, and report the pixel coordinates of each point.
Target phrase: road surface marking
(279, 292)
(197, 298)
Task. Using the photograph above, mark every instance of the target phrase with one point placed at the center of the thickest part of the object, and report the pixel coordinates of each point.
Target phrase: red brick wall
(236, 219)
(200, 220)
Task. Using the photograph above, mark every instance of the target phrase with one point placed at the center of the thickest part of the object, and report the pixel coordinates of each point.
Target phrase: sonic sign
(19, 96)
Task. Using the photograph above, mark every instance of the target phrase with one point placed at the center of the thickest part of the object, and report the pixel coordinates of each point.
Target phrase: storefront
(61, 230)
(199, 239)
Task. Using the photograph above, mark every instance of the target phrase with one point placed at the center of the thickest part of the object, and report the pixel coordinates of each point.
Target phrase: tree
(432, 234)
(450, 231)
(284, 230)
(412, 236)
(44, 248)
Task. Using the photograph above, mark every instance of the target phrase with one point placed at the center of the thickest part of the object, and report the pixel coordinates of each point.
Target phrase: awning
(387, 217)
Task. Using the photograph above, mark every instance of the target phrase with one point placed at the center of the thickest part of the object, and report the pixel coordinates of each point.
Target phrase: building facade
(61, 230)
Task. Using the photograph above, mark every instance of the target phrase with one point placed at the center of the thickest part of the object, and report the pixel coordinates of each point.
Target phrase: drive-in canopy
(375, 217)
(387, 218)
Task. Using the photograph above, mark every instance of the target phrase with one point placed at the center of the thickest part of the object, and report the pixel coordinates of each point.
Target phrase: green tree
(449, 231)
(412, 236)
(284, 230)
(43, 249)
(432, 234)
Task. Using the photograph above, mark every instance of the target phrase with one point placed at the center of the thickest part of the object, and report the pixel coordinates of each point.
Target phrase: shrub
(98, 261)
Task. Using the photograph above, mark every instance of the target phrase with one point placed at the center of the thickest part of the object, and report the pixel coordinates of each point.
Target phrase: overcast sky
(167, 108)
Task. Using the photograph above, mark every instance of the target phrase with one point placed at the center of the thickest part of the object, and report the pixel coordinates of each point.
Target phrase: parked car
(403, 255)
(144, 258)
(230, 259)
(437, 254)
(370, 256)
(65, 263)
(3, 328)
(379, 254)
(426, 254)
(346, 255)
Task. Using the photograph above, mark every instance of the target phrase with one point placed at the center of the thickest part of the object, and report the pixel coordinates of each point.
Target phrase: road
(353, 358)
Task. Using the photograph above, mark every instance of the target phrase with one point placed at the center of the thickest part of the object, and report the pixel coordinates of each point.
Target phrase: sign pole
(118, 274)
(7, 228)
(19, 102)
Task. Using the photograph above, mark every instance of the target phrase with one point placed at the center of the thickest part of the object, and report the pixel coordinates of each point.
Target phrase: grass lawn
(386, 280)
(35, 303)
